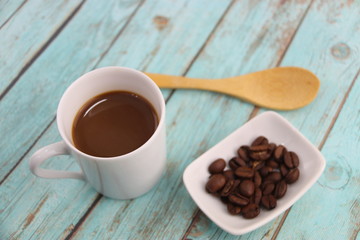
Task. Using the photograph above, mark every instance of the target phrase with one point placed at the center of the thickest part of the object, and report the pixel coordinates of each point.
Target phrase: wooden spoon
(282, 88)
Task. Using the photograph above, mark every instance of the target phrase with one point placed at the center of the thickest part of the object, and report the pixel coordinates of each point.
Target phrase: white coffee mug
(122, 177)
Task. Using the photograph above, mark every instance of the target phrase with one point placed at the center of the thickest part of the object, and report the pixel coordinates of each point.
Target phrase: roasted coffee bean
(257, 196)
(247, 188)
(227, 189)
(241, 162)
(268, 188)
(259, 148)
(233, 209)
(273, 177)
(272, 164)
(257, 179)
(256, 165)
(259, 175)
(229, 174)
(215, 183)
(233, 165)
(268, 202)
(238, 199)
(283, 170)
(244, 172)
(280, 189)
(272, 147)
(279, 153)
(265, 171)
(292, 176)
(260, 155)
(260, 141)
(217, 166)
(250, 211)
(291, 160)
(243, 153)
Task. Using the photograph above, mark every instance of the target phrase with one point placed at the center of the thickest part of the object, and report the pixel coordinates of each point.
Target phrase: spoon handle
(170, 81)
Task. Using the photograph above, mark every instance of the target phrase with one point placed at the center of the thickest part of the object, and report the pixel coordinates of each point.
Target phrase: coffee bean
(268, 188)
(257, 179)
(273, 177)
(257, 196)
(233, 165)
(238, 199)
(291, 160)
(233, 209)
(259, 152)
(283, 170)
(272, 164)
(256, 165)
(260, 141)
(250, 211)
(247, 188)
(280, 189)
(268, 202)
(241, 162)
(227, 189)
(215, 183)
(244, 172)
(272, 147)
(265, 171)
(217, 166)
(279, 153)
(243, 153)
(229, 174)
(292, 176)
(259, 175)
(259, 148)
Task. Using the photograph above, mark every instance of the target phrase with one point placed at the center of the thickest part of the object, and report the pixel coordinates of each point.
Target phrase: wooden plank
(8, 9)
(43, 84)
(193, 126)
(46, 18)
(44, 196)
(321, 47)
(331, 209)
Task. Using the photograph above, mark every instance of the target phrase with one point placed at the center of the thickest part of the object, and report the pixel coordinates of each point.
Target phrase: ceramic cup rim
(83, 79)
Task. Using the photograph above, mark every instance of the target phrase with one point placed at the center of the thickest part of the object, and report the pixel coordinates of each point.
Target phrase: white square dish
(279, 131)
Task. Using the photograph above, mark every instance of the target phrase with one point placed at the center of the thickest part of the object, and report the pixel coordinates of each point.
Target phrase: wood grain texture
(331, 209)
(209, 118)
(200, 39)
(79, 60)
(306, 50)
(45, 18)
(40, 88)
(8, 9)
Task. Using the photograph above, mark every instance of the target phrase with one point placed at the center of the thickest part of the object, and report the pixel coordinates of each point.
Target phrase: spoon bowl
(281, 88)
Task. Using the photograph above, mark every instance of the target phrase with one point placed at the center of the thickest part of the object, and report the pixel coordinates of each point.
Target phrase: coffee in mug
(113, 123)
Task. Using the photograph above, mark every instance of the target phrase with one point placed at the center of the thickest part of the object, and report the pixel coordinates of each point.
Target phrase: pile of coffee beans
(258, 176)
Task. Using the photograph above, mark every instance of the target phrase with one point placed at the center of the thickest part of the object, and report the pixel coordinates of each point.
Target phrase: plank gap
(16, 10)
(322, 143)
(187, 69)
(41, 50)
(293, 36)
(83, 218)
(27, 151)
(119, 33)
(194, 218)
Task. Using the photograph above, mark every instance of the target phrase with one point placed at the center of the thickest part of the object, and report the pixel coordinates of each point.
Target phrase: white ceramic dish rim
(205, 159)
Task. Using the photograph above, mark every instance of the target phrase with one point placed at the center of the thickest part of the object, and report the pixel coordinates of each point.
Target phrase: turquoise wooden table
(46, 45)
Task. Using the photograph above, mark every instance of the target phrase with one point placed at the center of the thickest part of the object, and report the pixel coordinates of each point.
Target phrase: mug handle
(47, 152)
